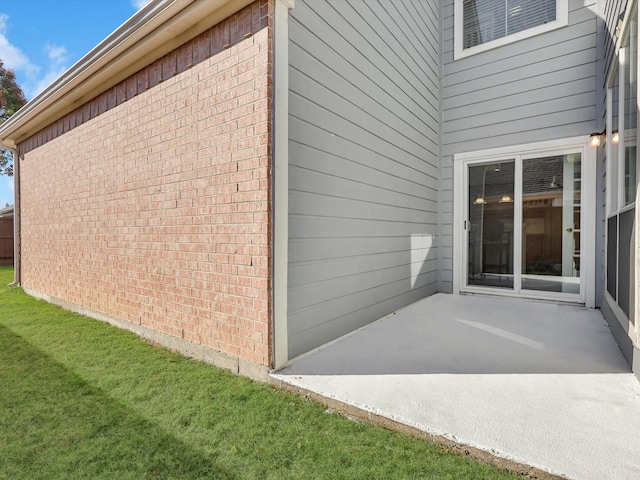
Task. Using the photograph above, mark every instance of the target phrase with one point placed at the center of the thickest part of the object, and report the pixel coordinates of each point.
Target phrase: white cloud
(36, 77)
(138, 4)
(57, 56)
(11, 55)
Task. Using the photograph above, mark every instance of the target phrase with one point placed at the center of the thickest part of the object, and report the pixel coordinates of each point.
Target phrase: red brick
(115, 222)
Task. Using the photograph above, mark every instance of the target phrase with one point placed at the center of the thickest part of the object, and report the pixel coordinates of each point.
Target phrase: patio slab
(539, 384)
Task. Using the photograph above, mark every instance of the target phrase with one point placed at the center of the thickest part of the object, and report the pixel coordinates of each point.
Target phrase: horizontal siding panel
(353, 63)
(425, 44)
(339, 207)
(327, 269)
(326, 314)
(336, 126)
(392, 31)
(373, 88)
(428, 16)
(372, 118)
(524, 129)
(348, 189)
(613, 9)
(377, 173)
(373, 306)
(312, 74)
(309, 296)
(316, 148)
(517, 97)
(541, 61)
(568, 130)
(534, 111)
(555, 70)
(334, 250)
(384, 53)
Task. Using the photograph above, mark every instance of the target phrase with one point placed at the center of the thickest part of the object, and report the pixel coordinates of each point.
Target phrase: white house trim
(281, 181)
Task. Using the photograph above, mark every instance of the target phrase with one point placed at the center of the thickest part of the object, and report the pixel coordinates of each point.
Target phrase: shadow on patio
(472, 335)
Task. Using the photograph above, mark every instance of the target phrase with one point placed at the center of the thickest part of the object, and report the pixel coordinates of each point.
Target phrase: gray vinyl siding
(363, 163)
(610, 11)
(540, 88)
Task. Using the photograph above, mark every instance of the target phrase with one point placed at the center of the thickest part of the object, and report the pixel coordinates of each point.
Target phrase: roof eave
(155, 30)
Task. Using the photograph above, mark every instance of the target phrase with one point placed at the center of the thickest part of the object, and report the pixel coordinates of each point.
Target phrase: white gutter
(16, 218)
(157, 29)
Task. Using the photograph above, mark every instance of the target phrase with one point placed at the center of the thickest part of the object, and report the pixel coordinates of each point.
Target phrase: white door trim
(588, 210)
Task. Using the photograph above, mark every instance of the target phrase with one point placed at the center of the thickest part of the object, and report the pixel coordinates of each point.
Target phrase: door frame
(587, 221)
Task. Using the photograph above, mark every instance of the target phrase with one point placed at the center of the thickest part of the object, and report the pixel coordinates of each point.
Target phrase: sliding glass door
(490, 224)
(523, 219)
(551, 188)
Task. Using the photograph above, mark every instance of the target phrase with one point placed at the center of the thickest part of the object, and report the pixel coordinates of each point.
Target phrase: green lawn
(82, 399)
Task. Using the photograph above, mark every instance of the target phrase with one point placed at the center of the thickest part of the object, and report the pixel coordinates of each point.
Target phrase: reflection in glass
(629, 175)
(551, 224)
(612, 256)
(491, 210)
(626, 261)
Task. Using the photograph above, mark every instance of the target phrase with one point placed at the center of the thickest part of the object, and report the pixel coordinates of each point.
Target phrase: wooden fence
(6, 240)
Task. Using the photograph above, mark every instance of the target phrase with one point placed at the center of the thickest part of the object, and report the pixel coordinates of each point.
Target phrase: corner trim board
(281, 181)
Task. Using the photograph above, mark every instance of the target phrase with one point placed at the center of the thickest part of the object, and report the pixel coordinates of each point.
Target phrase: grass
(81, 399)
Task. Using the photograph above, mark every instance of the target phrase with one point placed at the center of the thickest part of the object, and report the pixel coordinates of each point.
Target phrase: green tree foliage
(11, 99)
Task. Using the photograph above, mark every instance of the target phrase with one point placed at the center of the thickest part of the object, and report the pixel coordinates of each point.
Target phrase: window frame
(562, 20)
(587, 221)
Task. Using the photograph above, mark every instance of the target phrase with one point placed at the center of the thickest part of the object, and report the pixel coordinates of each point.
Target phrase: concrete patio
(538, 384)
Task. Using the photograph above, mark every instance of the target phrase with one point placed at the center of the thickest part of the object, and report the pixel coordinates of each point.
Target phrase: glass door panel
(551, 188)
(490, 230)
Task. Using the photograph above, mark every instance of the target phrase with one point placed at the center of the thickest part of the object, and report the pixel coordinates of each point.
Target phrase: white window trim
(588, 222)
(562, 20)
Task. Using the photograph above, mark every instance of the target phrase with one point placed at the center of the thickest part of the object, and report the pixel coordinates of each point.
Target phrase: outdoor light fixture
(480, 201)
(506, 199)
(615, 137)
(596, 139)
(619, 25)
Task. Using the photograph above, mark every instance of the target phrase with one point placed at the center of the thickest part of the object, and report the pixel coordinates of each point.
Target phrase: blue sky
(40, 39)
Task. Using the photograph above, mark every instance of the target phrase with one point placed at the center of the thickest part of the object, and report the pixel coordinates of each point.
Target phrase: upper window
(484, 24)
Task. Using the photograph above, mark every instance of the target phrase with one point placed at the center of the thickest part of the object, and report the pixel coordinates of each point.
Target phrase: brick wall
(156, 210)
